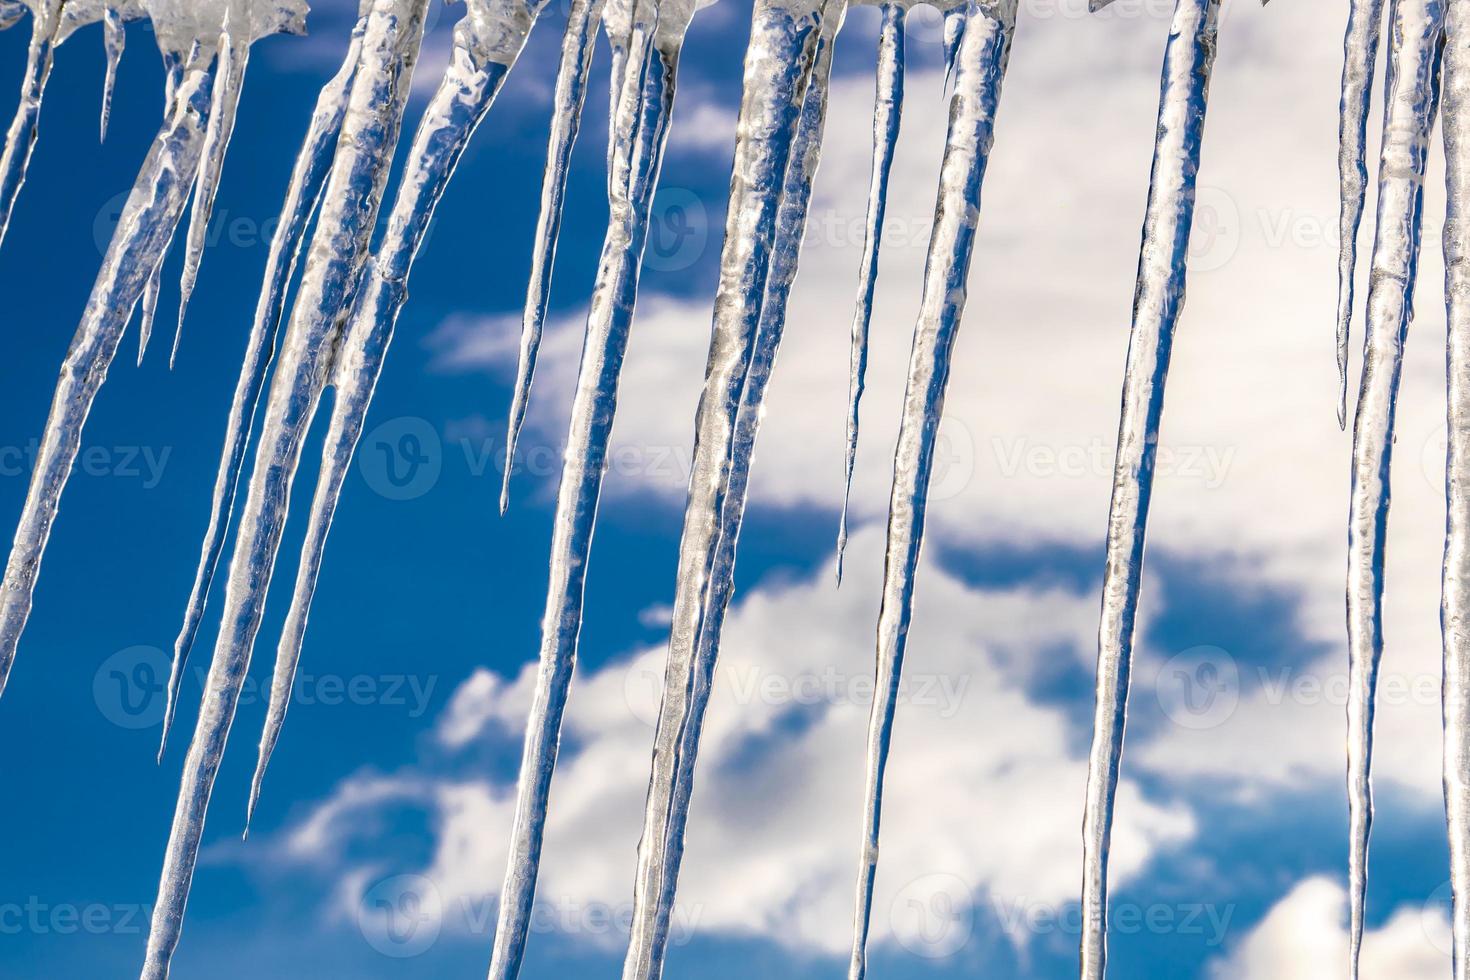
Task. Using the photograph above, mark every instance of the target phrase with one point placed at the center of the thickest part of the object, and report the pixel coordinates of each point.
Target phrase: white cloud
(982, 798)
(1304, 935)
(1254, 477)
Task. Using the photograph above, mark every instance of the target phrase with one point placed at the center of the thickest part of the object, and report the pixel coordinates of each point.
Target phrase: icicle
(303, 197)
(338, 253)
(483, 56)
(640, 127)
(786, 38)
(1158, 299)
(148, 218)
(571, 94)
(114, 39)
(790, 233)
(617, 24)
(954, 32)
(1455, 614)
(1411, 101)
(887, 114)
(11, 13)
(173, 71)
(1360, 50)
(980, 68)
(21, 138)
(234, 55)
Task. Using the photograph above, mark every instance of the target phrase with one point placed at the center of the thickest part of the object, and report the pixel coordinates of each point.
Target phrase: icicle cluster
(344, 311)
(1426, 39)
(189, 147)
(52, 22)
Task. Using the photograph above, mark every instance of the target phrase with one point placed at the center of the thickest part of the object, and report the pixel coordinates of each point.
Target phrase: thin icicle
(640, 133)
(887, 114)
(785, 40)
(1411, 101)
(234, 56)
(52, 22)
(338, 253)
(790, 233)
(1158, 300)
(1455, 612)
(173, 71)
(1360, 51)
(482, 57)
(303, 197)
(148, 218)
(114, 39)
(980, 67)
(20, 141)
(954, 32)
(571, 94)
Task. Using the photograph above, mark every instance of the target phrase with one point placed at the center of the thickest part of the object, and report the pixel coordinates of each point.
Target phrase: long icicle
(20, 140)
(478, 67)
(780, 59)
(173, 73)
(790, 233)
(1158, 299)
(1410, 105)
(571, 94)
(980, 67)
(148, 218)
(303, 197)
(1360, 51)
(1455, 611)
(114, 38)
(887, 115)
(641, 127)
(234, 56)
(338, 253)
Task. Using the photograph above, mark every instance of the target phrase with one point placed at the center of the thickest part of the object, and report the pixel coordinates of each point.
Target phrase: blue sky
(395, 770)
